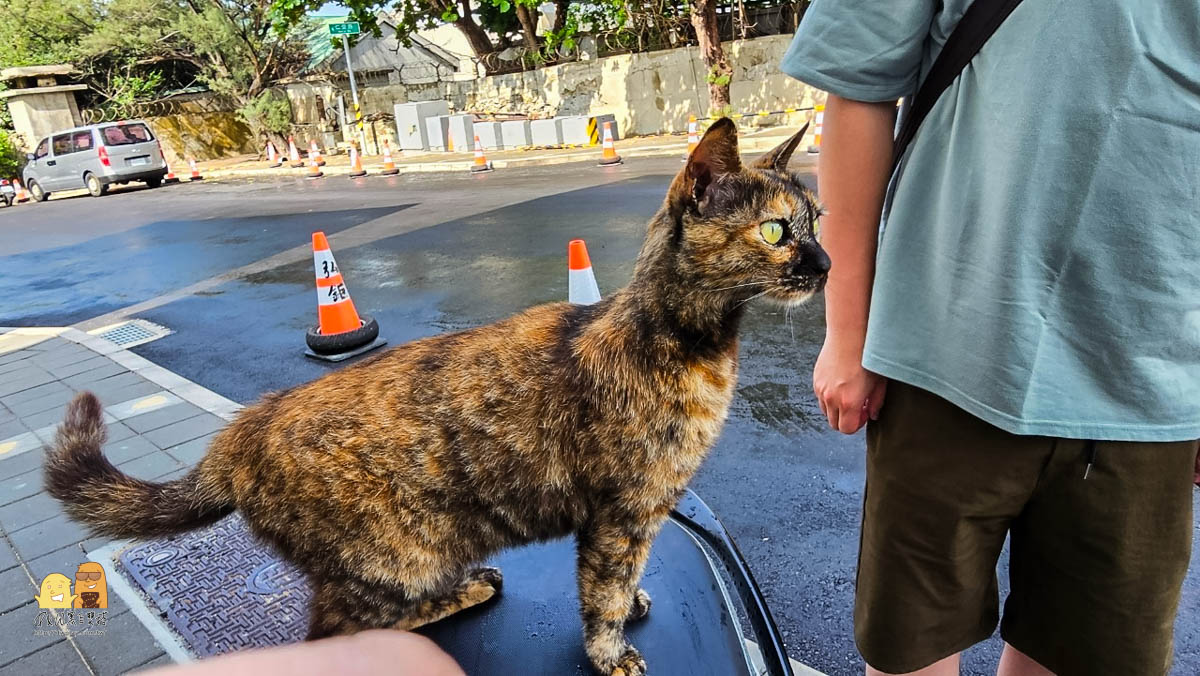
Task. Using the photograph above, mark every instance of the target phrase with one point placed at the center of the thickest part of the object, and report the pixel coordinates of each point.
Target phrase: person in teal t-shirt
(1023, 331)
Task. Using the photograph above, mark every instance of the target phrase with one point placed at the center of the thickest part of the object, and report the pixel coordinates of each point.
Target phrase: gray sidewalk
(159, 425)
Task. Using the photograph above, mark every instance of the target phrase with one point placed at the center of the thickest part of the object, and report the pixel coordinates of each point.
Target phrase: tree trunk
(704, 20)
(528, 27)
(560, 14)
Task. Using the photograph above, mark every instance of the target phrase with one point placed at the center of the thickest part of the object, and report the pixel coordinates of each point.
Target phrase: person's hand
(379, 651)
(848, 394)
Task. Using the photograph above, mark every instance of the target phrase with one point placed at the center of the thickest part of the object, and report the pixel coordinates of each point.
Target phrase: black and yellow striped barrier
(761, 113)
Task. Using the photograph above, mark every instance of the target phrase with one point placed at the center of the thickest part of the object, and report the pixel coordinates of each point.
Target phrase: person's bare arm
(856, 156)
(381, 651)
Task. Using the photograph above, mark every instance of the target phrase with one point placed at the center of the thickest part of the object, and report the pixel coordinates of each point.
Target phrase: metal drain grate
(132, 332)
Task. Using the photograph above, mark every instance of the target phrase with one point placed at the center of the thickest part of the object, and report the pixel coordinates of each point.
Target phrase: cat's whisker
(735, 286)
(760, 293)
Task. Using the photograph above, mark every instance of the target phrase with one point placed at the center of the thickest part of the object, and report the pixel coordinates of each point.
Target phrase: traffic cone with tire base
(389, 167)
(693, 138)
(315, 152)
(609, 155)
(356, 167)
(581, 283)
(340, 332)
(195, 172)
(819, 121)
(22, 196)
(273, 160)
(170, 177)
(294, 154)
(314, 169)
(481, 164)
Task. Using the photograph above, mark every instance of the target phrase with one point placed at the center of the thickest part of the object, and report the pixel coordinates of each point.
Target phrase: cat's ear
(777, 159)
(715, 156)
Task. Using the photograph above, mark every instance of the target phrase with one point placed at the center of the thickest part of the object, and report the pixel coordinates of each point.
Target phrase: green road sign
(348, 28)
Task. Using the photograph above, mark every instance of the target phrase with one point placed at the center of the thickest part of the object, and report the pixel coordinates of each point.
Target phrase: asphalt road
(226, 266)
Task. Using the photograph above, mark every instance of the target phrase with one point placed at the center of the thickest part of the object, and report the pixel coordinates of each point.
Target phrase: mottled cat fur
(389, 481)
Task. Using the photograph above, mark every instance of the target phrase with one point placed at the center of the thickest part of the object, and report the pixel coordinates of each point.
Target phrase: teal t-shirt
(1039, 264)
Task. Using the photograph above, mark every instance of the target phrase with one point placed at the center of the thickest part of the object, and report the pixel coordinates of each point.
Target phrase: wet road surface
(426, 255)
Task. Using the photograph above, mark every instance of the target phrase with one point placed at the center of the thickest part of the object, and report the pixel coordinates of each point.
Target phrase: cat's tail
(115, 504)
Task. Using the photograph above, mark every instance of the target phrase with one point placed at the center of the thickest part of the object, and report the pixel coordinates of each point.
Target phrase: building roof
(35, 71)
(371, 54)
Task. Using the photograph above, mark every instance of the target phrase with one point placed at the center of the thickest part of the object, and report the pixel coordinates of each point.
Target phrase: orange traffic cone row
(340, 332)
(481, 164)
(693, 137)
(315, 152)
(22, 194)
(356, 168)
(609, 155)
(581, 282)
(293, 154)
(314, 169)
(389, 167)
(272, 158)
(819, 109)
(195, 171)
(170, 177)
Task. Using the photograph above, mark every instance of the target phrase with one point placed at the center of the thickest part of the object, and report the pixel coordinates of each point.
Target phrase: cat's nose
(813, 260)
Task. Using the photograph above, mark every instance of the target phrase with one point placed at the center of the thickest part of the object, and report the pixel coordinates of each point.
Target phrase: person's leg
(1013, 662)
(1098, 563)
(944, 667)
(942, 488)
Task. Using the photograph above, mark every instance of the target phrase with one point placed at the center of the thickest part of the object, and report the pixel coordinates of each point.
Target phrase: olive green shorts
(1096, 564)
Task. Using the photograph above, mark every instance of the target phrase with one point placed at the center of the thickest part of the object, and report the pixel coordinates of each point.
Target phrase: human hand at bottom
(380, 651)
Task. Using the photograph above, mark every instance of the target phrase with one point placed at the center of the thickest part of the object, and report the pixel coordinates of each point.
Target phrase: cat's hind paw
(641, 605)
(489, 576)
(630, 664)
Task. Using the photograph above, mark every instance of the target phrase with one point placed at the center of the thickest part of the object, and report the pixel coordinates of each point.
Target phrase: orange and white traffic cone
(314, 169)
(340, 332)
(170, 177)
(315, 152)
(609, 155)
(195, 171)
(693, 137)
(273, 159)
(481, 164)
(294, 154)
(389, 167)
(22, 194)
(356, 167)
(581, 283)
(819, 110)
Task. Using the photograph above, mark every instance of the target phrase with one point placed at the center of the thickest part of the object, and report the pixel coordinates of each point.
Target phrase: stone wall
(203, 136)
(649, 93)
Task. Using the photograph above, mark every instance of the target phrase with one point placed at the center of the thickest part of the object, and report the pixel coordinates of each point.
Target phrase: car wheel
(94, 185)
(154, 182)
(37, 193)
(8, 200)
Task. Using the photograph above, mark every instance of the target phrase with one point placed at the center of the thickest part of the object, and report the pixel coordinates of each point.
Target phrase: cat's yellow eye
(771, 231)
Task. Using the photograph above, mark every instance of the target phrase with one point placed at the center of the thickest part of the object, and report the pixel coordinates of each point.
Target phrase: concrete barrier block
(437, 130)
(516, 133)
(546, 132)
(411, 131)
(575, 129)
(462, 132)
(489, 135)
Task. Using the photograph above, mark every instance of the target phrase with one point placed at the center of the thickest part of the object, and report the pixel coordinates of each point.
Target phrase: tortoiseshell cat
(388, 482)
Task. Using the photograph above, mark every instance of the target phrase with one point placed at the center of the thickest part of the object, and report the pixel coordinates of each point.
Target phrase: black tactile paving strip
(220, 589)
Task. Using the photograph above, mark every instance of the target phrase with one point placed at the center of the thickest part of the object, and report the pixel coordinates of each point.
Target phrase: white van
(95, 157)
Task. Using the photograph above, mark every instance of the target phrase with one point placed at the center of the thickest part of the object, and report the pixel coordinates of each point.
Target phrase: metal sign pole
(362, 137)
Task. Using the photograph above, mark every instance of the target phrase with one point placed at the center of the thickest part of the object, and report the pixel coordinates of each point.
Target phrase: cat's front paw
(641, 605)
(630, 663)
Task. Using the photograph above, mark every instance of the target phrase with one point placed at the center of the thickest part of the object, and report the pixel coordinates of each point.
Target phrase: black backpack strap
(978, 24)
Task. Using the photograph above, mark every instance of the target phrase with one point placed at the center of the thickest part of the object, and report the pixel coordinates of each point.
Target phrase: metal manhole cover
(132, 332)
(220, 589)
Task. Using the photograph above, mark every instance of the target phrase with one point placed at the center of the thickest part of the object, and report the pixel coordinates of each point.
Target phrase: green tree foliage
(10, 156)
(130, 51)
